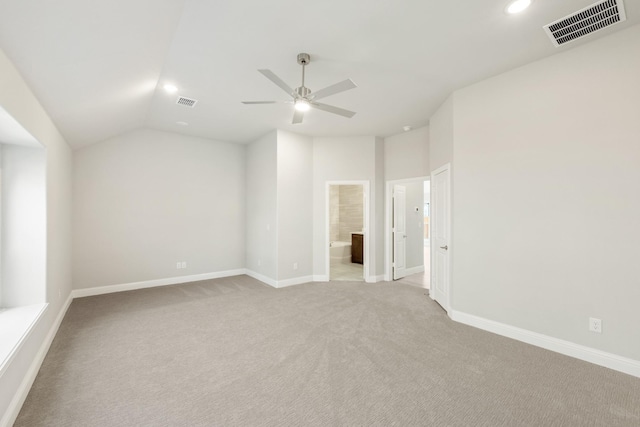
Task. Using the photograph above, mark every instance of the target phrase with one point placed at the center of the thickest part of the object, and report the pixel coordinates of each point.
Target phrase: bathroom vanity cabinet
(357, 248)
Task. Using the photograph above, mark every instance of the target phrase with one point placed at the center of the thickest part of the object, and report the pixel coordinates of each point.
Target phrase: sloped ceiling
(98, 68)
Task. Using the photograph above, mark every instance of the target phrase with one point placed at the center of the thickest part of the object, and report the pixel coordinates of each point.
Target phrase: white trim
(320, 278)
(588, 354)
(261, 277)
(294, 281)
(24, 318)
(278, 283)
(414, 270)
(87, 292)
(375, 279)
(387, 222)
(446, 305)
(11, 414)
(365, 225)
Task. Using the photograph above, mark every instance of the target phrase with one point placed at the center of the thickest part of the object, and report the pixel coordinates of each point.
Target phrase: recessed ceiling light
(182, 123)
(170, 88)
(517, 6)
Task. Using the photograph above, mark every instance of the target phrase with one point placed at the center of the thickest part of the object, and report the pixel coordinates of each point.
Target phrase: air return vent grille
(586, 21)
(187, 102)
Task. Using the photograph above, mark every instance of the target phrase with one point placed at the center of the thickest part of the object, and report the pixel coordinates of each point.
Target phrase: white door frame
(388, 223)
(365, 226)
(432, 232)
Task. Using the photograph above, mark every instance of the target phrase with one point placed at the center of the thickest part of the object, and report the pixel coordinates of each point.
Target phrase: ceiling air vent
(187, 102)
(586, 21)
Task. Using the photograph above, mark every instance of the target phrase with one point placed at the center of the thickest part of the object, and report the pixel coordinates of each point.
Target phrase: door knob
(445, 247)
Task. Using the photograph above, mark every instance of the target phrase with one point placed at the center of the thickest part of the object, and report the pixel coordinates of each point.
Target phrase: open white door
(440, 217)
(399, 231)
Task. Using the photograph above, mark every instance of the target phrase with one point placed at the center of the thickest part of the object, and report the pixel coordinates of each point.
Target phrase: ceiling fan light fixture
(302, 105)
(517, 6)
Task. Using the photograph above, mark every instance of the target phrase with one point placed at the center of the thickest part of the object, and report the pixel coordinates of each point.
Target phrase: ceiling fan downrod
(303, 59)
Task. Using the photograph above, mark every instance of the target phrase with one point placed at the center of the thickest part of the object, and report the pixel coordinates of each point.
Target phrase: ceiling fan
(303, 98)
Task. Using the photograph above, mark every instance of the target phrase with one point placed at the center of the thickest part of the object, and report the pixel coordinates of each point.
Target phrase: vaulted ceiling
(99, 67)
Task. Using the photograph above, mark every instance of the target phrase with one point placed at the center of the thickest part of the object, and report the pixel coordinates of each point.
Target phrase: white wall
(17, 99)
(415, 224)
(24, 219)
(294, 205)
(441, 135)
(147, 199)
(546, 202)
(261, 201)
(345, 159)
(406, 155)
(377, 212)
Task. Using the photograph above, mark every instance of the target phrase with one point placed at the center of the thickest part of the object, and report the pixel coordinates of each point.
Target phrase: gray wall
(406, 155)
(546, 202)
(441, 135)
(295, 205)
(17, 99)
(147, 199)
(415, 220)
(261, 201)
(346, 159)
(377, 215)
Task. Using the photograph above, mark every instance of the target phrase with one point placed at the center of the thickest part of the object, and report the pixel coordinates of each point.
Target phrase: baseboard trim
(414, 270)
(588, 354)
(279, 283)
(101, 290)
(14, 407)
(320, 278)
(374, 279)
(294, 281)
(264, 279)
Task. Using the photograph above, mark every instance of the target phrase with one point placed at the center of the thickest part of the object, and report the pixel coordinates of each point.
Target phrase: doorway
(407, 229)
(347, 230)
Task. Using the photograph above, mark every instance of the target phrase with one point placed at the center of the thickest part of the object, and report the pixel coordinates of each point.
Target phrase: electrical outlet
(178, 265)
(295, 265)
(184, 264)
(595, 325)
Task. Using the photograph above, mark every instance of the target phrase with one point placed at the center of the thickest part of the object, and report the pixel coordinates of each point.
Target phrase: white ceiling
(98, 67)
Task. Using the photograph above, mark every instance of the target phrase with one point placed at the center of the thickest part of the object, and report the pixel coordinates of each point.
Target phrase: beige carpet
(234, 352)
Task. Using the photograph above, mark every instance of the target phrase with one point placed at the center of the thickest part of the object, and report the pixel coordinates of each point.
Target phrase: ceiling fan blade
(259, 102)
(332, 109)
(277, 80)
(333, 89)
(297, 117)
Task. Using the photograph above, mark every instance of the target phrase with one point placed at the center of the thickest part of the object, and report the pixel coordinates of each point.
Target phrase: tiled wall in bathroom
(345, 211)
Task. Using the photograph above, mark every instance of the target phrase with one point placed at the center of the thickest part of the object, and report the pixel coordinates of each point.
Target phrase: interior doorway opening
(407, 231)
(347, 226)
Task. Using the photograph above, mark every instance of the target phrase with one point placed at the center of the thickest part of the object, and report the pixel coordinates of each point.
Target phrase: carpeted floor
(235, 352)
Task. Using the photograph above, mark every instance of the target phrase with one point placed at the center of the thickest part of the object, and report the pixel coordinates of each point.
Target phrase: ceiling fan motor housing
(304, 58)
(302, 91)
